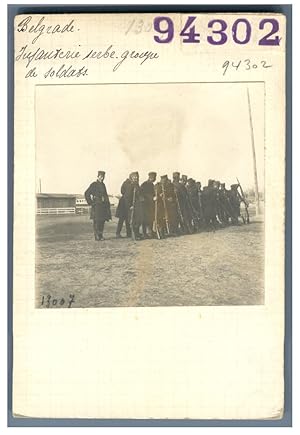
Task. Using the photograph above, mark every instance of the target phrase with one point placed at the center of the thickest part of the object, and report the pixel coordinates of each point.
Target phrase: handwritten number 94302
(219, 31)
(246, 65)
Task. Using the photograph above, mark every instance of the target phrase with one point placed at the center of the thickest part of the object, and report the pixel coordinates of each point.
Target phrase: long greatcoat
(121, 211)
(96, 196)
(166, 205)
(133, 197)
(148, 193)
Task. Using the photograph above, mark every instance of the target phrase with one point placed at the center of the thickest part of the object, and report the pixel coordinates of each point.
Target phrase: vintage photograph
(149, 194)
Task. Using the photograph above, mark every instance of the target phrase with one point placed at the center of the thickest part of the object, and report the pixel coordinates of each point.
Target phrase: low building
(82, 206)
(55, 203)
(64, 203)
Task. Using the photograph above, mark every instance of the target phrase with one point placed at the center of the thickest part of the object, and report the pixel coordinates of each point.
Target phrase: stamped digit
(190, 32)
(235, 28)
(222, 37)
(267, 40)
(169, 30)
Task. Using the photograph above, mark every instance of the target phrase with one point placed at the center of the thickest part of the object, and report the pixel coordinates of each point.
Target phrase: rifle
(194, 212)
(200, 204)
(131, 221)
(165, 207)
(244, 201)
(178, 207)
(155, 215)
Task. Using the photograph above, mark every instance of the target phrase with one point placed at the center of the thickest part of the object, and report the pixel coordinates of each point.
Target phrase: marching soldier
(192, 192)
(122, 213)
(184, 209)
(235, 202)
(209, 206)
(184, 179)
(201, 211)
(226, 210)
(148, 193)
(134, 205)
(218, 208)
(96, 196)
(166, 220)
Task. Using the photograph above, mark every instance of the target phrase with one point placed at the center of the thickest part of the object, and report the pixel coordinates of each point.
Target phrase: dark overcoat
(148, 193)
(133, 198)
(96, 196)
(183, 202)
(122, 211)
(166, 205)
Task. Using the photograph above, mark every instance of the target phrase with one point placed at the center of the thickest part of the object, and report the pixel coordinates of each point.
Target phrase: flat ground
(225, 267)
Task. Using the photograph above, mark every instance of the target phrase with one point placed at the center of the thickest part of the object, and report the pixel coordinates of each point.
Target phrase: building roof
(56, 195)
(62, 195)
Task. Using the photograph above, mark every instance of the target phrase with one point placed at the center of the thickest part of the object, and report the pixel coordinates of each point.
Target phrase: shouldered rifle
(132, 210)
(244, 201)
(178, 207)
(156, 229)
(165, 207)
(200, 202)
(194, 212)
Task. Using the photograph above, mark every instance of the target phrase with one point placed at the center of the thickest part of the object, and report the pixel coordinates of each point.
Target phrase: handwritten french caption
(33, 55)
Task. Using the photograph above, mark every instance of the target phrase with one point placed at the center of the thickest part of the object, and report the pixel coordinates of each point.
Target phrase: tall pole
(40, 185)
(253, 156)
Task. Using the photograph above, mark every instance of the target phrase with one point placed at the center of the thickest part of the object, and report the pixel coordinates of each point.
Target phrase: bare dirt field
(225, 267)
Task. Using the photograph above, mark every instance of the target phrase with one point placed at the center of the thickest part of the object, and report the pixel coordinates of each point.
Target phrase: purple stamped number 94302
(219, 31)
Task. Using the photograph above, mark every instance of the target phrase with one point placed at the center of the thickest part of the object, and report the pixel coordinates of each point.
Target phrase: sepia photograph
(149, 194)
(149, 216)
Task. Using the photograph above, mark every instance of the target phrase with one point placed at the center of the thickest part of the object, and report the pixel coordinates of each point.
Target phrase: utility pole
(253, 156)
(40, 185)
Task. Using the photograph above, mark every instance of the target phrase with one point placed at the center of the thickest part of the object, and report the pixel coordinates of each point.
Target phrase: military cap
(101, 173)
(134, 174)
(222, 184)
(163, 177)
(210, 181)
(234, 186)
(184, 177)
(176, 174)
(191, 180)
(152, 174)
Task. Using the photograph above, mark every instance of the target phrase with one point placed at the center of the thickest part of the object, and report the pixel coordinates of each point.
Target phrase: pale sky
(202, 130)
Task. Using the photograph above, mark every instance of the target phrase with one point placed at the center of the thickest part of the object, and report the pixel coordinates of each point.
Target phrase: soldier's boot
(119, 228)
(96, 235)
(145, 234)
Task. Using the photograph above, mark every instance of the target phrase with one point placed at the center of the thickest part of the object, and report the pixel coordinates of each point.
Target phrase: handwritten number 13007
(241, 31)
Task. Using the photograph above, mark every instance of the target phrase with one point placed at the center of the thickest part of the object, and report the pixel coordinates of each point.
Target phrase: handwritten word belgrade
(40, 29)
(39, 54)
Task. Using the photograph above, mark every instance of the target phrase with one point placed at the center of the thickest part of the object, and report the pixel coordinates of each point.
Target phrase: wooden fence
(56, 211)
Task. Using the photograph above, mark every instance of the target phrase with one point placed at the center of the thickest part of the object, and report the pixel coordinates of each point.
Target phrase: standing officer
(96, 196)
(148, 193)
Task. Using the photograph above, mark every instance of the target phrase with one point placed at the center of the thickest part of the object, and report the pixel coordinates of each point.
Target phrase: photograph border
(286, 420)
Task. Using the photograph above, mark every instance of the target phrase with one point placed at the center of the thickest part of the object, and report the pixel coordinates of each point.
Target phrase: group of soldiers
(166, 208)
